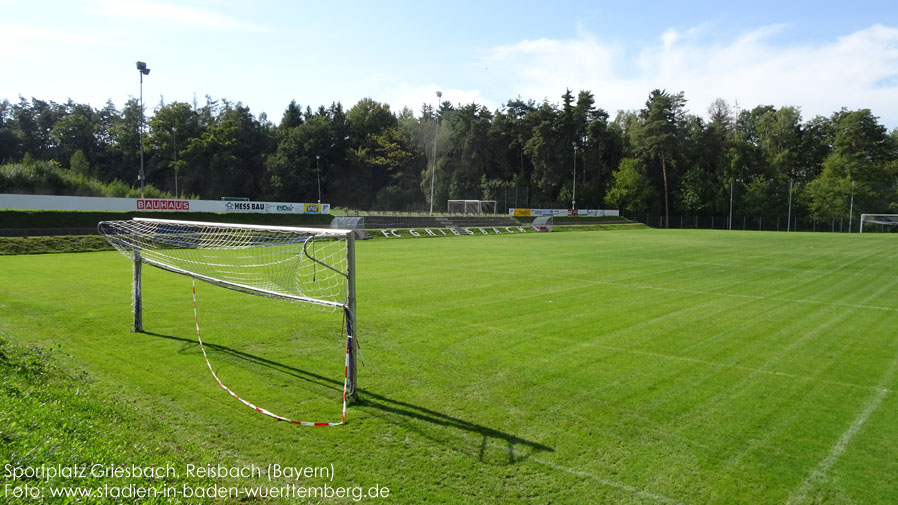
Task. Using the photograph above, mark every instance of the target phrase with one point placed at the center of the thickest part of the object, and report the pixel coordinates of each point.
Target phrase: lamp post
(318, 175)
(574, 192)
(789, 214)
(143, 70)
(174, 134)
(851, 209)
(730, 219)
(433, 171)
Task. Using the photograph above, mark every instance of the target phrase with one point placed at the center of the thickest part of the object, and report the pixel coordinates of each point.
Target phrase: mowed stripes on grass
(636, 366)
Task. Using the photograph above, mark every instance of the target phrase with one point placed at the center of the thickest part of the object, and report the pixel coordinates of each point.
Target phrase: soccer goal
(472, 206)
(309, 266)
(880, 219)
(542, 223)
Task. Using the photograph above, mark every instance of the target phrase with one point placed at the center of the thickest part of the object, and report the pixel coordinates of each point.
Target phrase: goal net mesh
(883, 219)
(471, 206)
(542, 223)
(297, 264)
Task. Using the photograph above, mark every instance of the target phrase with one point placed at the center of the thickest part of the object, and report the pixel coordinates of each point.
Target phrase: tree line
(659, 159)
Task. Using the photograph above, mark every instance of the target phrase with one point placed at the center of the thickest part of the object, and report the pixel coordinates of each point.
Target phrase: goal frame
(478, 204)
(864, 219)
(349, 306)
(543, 223)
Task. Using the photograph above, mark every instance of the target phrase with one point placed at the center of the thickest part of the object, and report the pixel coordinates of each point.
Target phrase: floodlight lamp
(439, 94)
(141, 66)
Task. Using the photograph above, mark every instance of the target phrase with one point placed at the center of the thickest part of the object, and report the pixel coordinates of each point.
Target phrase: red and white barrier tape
(358, 344)
(260, 409)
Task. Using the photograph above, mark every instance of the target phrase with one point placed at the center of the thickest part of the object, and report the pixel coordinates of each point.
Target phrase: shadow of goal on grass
(371, 400)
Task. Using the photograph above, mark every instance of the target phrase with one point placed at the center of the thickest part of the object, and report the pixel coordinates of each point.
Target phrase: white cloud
(144, 11)
(546, 67)
(858, 70)
(27, 35)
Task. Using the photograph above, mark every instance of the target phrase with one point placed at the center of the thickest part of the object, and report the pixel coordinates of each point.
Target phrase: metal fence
(786, 206)
(757, 223)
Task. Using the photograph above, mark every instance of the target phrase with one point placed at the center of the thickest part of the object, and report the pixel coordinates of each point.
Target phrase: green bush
(49, 178)
(53, 244)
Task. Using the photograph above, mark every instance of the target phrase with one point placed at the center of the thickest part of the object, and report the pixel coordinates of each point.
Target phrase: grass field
(633, 366)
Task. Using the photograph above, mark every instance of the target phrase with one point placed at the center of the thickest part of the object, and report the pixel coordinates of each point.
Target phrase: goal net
(472, 206)
(542, 223)
(310, 266)
(886, 221)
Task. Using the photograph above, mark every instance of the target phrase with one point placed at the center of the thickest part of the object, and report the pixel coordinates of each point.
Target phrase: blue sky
(819, 56)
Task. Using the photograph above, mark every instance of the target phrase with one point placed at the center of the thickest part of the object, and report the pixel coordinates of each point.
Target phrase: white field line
(754, 371)
(714, 293)
(819, 473)
(706, 410)
(772, 297)
(746, 382)
(736, 266)
(649, 368)
(687, 265)
(657, 288)
(577, 472)
(742, 367)
(605, 482)
(765, 369)
(825, 465)
(732, 295)
(772, 430)
(744, 266)
(523, 456)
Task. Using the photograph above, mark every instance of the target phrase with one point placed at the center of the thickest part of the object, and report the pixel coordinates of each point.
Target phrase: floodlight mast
(789, 215)
(730, 218)
(174, 134)
(851, 209)
(143, 70)
(433, 172)
(574, 192)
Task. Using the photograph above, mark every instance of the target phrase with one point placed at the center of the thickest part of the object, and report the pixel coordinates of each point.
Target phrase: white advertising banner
(53, 202)
(564, 212)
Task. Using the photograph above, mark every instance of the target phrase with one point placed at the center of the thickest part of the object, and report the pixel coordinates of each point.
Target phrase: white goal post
(471, 206)
(882, 219)
(311, 266)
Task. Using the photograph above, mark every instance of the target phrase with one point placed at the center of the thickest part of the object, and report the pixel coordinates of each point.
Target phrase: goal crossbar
(259, 227)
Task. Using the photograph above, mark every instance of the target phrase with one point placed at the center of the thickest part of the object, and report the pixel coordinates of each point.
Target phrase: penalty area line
(660, 288)
(633, 490)
(819, 473)
(605, 482)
